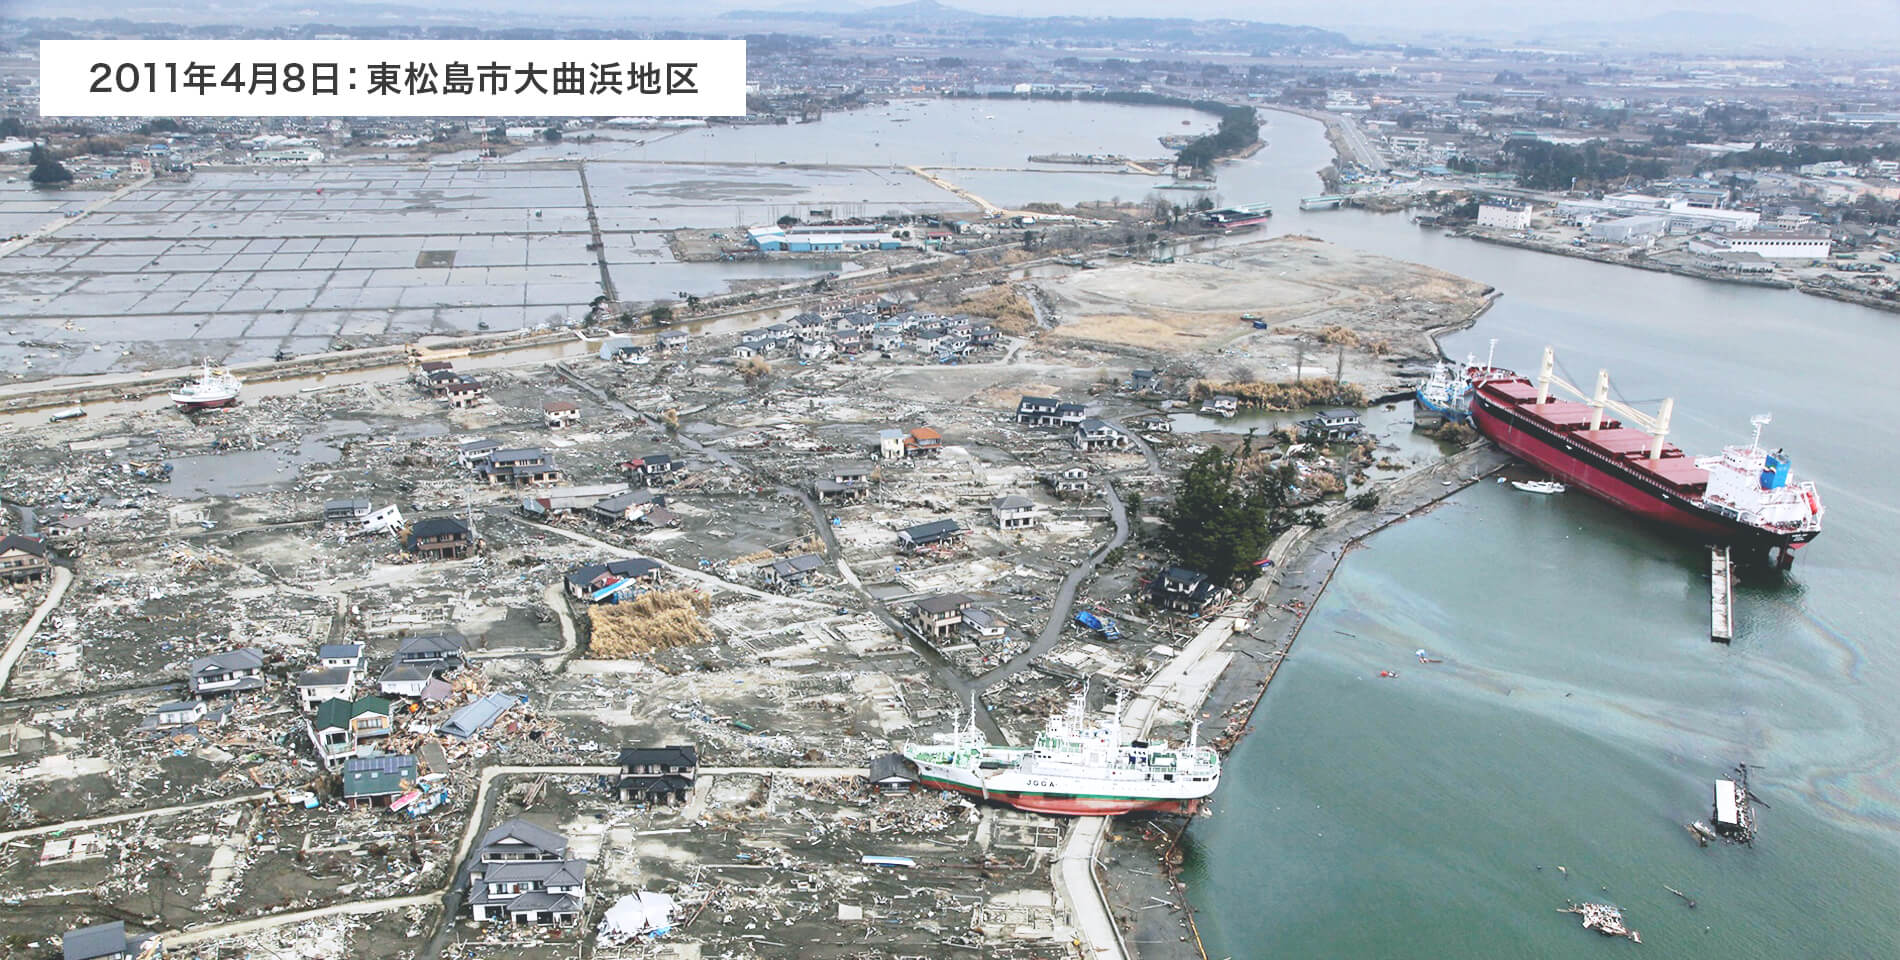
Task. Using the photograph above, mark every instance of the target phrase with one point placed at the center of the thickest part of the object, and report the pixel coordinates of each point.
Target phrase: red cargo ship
(1743, 497)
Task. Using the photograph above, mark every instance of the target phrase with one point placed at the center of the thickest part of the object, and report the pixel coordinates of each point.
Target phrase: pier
(1328, 202)
(1734, 814)
(1721, 596)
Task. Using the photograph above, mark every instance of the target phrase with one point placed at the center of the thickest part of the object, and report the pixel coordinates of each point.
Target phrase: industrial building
(796, 239)
(1497, 215)
(1770, 244)
(1683, 217)
(1636, 229)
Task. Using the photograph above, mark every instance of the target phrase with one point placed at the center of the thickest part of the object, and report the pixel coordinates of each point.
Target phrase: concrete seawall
(1305, 560)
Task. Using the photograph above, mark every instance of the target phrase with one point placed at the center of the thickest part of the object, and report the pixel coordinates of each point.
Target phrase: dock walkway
(1721, 596)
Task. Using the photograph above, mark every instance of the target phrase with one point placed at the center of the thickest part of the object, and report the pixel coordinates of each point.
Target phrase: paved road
(54, 226)
(1065, 599)
(1362, 149)
(62, 578)
(12, 835)
(708, 579)
(947, 675)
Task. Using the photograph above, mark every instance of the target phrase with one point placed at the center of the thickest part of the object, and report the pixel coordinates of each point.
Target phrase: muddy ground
(232, 551)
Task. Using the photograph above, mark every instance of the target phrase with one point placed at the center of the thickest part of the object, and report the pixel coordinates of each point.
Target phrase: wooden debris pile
(654, 621)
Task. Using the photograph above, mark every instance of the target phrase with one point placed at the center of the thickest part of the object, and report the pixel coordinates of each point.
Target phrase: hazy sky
(1858, 23)
(1852, 17)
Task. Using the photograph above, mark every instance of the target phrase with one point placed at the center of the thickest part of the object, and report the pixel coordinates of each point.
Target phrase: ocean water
(1581, 713)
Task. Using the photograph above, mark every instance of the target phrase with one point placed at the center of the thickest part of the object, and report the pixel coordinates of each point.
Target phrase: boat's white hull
(189, 402)
(1538, 487)
(1070, 795)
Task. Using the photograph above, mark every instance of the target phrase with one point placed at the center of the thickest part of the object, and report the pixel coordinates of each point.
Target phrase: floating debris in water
(1604, 919)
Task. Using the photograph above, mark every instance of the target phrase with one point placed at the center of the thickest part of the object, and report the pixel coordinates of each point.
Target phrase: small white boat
(217, 387)
(1538, 486)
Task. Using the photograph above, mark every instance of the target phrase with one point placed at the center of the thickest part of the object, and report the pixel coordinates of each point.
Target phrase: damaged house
(22, 559)
(345, 511)
(938, 615)
(560, 414)
(892, 774)
(658, 774)
(1069, 479)
(522, 875)
(441, 538)
(518, 467)
(1333, 425)
(627, 507)
(432, 650)
(232, 672)
(1095, 434)
(655, 469)
(1013, 512)
(378, 779)
(324, 683)
(342, 726)
(914, 538)
(1188, 591)
(107, 941)
(611, 581)
(474, 452)
(463, 392)
(793, 571)
(844, 483)
(923, 442)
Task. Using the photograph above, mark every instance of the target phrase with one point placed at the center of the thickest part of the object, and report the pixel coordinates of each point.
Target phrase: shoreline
(1809, 288)
(1303, 568)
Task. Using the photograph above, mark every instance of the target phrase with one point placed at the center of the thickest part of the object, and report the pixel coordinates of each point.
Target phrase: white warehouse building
(1504, 216)
(1630, 229)
(1682, 216)
(1770, 244)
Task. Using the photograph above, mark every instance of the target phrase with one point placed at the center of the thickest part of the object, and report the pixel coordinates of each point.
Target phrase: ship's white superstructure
(216, 387)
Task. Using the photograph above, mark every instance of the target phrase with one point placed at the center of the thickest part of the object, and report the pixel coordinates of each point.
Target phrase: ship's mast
(1656, 426)
(1602, 397)
(1759, 420)
(1662, 428)
(1544, 375)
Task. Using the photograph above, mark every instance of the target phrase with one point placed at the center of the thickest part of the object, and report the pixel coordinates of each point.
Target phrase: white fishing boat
(216, 387)
(1076, 767)
(1539, 486)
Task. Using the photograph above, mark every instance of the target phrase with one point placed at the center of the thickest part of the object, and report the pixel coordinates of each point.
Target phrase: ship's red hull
(194, 406)
(1232, 226)
(1068, 806)
(1621, 488)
